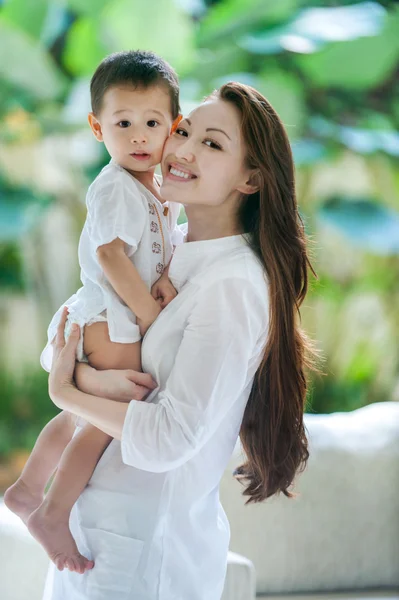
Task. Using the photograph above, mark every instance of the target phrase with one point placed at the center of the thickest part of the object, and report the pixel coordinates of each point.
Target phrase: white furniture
(342, 531)
(23, 565)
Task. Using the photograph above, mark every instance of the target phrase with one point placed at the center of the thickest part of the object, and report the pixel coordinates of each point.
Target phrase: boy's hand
(163, 291)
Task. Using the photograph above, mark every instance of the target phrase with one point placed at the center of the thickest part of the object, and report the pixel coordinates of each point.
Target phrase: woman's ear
(252, 183)
(175, 124)
(95, 126)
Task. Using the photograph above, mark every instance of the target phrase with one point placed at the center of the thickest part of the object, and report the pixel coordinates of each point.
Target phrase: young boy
(124, 247)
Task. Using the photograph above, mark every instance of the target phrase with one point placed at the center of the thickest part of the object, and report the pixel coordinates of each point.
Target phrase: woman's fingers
(59, 339)
(72, 342)
(143, 379)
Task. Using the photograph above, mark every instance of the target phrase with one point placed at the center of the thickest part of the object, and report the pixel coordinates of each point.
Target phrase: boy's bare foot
(21, 500)
(52, 532)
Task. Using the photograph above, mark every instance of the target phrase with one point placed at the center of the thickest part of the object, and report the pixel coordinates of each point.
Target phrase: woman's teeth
(177, 173)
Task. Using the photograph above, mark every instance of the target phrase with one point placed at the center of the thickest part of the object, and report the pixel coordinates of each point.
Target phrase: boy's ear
(95, 126)
(252, 184)
(175, 124)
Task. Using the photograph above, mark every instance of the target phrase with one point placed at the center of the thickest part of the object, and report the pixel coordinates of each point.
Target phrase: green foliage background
(331, 71)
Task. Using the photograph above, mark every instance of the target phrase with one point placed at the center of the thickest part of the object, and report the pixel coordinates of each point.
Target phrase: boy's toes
(60, 562)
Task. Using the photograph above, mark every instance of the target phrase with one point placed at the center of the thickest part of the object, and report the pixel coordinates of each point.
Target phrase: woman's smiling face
(204, 160)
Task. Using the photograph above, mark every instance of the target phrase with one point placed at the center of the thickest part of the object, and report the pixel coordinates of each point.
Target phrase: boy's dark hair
(135, 67)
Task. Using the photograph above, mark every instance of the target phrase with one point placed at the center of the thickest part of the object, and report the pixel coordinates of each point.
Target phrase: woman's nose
(185, 152)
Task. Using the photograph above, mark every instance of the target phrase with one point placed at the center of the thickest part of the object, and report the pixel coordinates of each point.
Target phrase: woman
(228, 359)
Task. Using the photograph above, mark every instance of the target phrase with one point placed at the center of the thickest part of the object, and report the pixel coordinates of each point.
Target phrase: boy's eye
(152, 123)
(212, 145)
(124, 124)
(181, 131)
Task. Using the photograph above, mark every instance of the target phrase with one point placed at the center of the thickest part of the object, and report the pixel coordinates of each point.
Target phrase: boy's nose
(138, 138)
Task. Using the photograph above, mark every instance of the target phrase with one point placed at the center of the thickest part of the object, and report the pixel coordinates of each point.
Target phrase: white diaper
(101, 318)
(80, 355)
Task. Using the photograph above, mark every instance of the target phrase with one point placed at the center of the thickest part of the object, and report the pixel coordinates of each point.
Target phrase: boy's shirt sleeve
(116, 209)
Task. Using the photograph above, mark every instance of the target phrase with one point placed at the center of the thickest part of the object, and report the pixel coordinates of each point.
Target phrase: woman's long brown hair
(272, 432)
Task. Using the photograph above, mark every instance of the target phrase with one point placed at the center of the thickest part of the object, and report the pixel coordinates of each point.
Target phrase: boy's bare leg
(26, 494)
(103, 354)
(49, 523)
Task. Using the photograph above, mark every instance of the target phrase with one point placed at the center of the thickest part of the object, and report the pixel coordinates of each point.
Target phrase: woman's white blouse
(151, 517)
(118, 206)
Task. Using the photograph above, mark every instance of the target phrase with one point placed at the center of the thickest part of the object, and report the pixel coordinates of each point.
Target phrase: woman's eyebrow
(220, 130)
(211, 129)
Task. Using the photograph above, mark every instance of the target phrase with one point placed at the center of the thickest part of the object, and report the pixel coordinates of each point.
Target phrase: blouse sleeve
(225, 333)
(116, 210)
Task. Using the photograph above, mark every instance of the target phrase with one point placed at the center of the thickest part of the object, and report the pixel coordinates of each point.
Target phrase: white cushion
(342, 531)
(23, 563)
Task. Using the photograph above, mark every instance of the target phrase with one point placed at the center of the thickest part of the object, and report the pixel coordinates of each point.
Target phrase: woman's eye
(182, 132)
(152, 123)
(212, 145)
(124, 124)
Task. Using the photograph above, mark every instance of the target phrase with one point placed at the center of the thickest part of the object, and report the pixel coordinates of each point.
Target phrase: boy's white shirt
(118, 206)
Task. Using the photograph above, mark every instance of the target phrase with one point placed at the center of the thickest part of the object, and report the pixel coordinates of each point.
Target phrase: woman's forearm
(107, 415)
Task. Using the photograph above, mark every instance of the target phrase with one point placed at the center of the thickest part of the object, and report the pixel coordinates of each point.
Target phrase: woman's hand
(61, 380)
(123, 385)
(163, 290)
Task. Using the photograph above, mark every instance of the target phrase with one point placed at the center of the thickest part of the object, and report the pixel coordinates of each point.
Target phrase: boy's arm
(163, 290)
(127, 283)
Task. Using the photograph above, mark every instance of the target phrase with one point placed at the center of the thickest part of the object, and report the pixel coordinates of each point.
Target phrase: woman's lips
(180, 174)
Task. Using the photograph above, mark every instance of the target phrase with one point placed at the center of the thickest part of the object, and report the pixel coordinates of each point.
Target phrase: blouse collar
(190, 258)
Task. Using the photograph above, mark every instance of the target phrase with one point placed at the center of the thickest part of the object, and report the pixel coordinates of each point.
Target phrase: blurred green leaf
(27, 15)
(366, 224)
(245, 78)
(234, 17)
(314, 27)
(363, 365)
(56, 24)
(286, 94)
(309, 152)
(83, 49)
(359, 64)
(19, 211)
(25, 63)
(271, 41)
(330, 394)
(25, 408)
(340, 23)
(89, 8)
(168, 30)
(217, 63)
(368, 141)
(362, 141)
(11, 267)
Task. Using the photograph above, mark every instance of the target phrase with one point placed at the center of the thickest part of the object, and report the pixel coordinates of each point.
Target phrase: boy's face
(134, 124)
